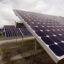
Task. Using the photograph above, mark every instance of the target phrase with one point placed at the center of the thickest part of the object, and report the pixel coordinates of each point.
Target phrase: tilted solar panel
(25, 31)
(12, 31)
(47, 30)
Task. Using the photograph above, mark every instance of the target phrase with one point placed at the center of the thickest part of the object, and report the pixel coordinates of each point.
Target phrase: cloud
(51, 7)
(7, 16)
(23, 4)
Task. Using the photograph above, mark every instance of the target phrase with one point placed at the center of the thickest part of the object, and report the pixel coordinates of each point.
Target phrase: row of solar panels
(11, 31)
(49, 30)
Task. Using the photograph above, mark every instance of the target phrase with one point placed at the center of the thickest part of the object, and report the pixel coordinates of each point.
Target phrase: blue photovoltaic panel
(50, 30)
(11, 31)
(25, 32)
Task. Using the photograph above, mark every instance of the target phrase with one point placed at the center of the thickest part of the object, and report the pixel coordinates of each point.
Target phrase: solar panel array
(50, 31)
(11, 31)
(25, 31)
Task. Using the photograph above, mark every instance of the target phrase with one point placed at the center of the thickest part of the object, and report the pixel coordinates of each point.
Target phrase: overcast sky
(51, 7)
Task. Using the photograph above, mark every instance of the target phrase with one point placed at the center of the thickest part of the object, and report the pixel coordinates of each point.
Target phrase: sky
(7, 16)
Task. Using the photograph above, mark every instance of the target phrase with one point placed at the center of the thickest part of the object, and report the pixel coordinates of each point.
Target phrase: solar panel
(47, 30)
(11, 31)
(25, 32)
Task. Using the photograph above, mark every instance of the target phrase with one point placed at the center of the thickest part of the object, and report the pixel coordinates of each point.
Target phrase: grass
(13, 47)
(19, 61)
(14, 37)
(41, 58)
(6, 38)
(2, 37)
(27, 46)
(25, 43)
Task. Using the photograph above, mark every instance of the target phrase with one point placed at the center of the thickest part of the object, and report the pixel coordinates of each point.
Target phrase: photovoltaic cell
(57, 50)
(50, 30)
(61, 45)
(48, 40)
